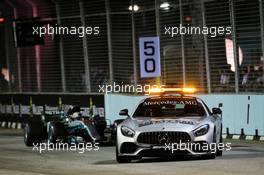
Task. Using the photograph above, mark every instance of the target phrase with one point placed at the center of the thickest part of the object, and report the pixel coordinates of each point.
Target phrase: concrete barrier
(240, 112)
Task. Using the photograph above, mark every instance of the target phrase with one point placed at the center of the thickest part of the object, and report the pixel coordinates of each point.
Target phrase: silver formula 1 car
(169, 124)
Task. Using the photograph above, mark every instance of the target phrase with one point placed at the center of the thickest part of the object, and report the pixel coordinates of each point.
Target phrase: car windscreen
(170, 108)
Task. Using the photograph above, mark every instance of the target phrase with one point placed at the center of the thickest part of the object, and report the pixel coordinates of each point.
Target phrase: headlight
(202, 130)
(127, 131)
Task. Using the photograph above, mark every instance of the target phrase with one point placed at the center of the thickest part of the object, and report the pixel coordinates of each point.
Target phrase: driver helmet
(75, 115)
(75, 112)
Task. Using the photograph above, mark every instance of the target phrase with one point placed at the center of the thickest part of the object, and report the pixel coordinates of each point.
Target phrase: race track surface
(15, 158)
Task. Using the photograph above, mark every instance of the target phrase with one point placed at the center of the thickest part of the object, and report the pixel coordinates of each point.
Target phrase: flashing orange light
(155, 90)
(163, 90)
(188, 90)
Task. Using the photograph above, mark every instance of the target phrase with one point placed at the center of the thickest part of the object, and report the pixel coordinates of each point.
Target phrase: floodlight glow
(165, 5)
(135, 8)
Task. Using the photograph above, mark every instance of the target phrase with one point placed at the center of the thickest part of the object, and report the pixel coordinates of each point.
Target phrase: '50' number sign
(149, 56)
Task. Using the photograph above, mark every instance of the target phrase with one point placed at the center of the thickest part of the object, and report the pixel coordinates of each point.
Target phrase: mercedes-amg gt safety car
(169, 124)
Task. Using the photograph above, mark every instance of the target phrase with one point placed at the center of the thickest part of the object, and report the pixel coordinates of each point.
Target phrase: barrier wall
(239, 111)
(21, 108)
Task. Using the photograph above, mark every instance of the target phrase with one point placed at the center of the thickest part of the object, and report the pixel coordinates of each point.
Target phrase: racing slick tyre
(56, 131)
(220, 152)
(33, 133)
(211, 155)
(122, 159)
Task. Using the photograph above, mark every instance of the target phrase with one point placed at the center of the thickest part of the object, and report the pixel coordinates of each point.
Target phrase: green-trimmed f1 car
(61, 127)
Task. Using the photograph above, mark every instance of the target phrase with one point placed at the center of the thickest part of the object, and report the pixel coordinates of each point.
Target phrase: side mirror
(217, 111)
(117, 122)
(220, 105)
(124, 112)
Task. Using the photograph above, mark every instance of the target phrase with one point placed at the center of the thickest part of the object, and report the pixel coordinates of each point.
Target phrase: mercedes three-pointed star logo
(163, 138)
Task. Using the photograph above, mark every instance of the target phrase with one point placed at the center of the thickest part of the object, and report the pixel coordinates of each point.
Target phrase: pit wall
(240, 112)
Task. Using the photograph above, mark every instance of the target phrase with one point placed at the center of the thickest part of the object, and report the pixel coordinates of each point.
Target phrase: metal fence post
(85, 47)
(157, 15)
(19, 70)
(207, 61)
(109, 41)
(18, 49)
(63, 81)
(231, 6)
(37, 47)
(182, 47)
(7, 58)
(262, 30)
(134, 45)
